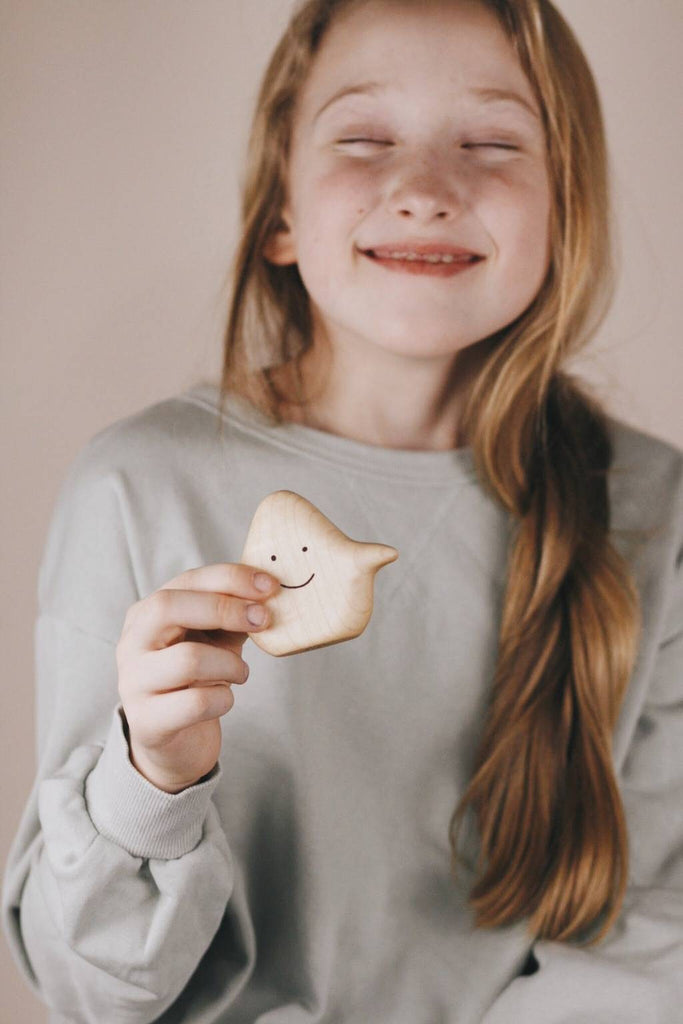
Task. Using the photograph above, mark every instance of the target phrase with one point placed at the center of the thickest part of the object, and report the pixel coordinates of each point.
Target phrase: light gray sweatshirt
(307, 879)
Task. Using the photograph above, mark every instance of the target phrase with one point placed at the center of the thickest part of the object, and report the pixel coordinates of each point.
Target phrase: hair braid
(550, 817)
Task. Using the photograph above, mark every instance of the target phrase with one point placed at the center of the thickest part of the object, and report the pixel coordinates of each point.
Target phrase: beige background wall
(122, 129)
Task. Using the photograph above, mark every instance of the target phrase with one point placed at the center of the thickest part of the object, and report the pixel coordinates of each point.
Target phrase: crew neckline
(437, 467)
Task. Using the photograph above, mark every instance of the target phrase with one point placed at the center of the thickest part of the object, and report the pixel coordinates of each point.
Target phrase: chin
(425, 348)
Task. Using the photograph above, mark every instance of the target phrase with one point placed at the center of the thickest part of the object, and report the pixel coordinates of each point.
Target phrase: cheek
(516, 216)
(341, 193)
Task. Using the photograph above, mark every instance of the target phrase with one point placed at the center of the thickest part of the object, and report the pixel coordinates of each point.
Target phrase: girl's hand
(178, 656)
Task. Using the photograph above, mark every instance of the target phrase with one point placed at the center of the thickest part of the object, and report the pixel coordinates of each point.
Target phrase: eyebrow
(491, 95)
(486, 94)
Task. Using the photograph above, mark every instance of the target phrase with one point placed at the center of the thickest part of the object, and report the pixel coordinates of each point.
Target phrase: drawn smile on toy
(326, 596)
(297, 586)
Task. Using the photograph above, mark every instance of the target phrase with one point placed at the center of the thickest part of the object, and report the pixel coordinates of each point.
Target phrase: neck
(393, 402)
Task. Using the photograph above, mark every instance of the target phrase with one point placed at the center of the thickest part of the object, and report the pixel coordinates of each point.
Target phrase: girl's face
(416, 125)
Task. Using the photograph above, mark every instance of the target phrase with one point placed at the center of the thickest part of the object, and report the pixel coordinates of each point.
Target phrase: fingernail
(262, 581)
(256, 614)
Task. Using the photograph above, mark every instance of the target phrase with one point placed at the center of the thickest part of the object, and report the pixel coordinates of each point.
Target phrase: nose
(426, 188)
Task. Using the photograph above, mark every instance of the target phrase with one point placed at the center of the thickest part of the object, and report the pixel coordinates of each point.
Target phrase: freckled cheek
(328, 213)
(516, 218)
(345, 191)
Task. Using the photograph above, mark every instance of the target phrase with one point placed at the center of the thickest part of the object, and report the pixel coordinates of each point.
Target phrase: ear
(280, 248)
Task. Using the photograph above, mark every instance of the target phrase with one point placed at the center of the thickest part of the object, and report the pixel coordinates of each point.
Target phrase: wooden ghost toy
(326, 579)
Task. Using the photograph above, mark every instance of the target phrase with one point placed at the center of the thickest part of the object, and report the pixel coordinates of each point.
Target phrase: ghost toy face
(326, 579)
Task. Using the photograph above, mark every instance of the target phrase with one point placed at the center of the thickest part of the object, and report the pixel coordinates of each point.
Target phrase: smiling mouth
(422, 266)
(297, 586)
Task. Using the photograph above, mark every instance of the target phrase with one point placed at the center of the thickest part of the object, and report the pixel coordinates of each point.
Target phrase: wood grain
(326, 579)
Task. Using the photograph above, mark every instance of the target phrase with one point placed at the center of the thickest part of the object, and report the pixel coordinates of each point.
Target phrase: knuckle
(161, 601)
(202, 700)
(190, 658)
(246, 574)
(227, 609)
(221, 606)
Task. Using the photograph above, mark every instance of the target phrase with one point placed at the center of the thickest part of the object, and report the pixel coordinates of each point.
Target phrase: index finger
(233, 578)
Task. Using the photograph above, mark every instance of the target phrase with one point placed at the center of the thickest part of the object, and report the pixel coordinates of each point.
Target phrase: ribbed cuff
(127, 808)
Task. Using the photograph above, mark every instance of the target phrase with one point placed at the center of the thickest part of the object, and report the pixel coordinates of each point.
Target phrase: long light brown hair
(552, 837)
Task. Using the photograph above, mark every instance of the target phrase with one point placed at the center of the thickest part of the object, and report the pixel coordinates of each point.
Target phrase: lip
(422, 247)
(423, 269)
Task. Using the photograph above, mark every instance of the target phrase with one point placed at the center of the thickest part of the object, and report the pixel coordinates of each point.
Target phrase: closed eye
(373, 142)
(466, 145)
(488, 145)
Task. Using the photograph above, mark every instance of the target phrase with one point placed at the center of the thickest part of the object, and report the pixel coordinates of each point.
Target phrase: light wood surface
(326, 579)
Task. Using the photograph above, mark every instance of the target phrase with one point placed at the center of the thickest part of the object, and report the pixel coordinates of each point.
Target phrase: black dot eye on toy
(323, 599)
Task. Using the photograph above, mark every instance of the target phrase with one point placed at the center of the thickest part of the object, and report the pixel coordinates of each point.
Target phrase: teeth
(432, 258)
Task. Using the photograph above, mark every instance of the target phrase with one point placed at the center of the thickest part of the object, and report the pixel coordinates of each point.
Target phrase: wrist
(151, 773)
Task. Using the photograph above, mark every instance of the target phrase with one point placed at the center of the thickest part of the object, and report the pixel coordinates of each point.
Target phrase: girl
(472, 812)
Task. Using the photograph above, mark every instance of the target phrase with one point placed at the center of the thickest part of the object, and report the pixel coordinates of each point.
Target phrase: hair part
(550, 821)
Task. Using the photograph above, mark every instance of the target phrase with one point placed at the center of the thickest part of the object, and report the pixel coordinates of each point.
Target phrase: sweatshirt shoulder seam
(46, 613)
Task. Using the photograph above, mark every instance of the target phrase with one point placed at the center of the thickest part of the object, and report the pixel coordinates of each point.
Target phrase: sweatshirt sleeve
(113, 888)
(635, 975)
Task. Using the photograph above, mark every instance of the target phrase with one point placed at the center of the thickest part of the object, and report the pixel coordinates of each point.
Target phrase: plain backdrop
(123, 127)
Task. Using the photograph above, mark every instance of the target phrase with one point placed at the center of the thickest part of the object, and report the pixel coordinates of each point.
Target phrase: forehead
(443, 45)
